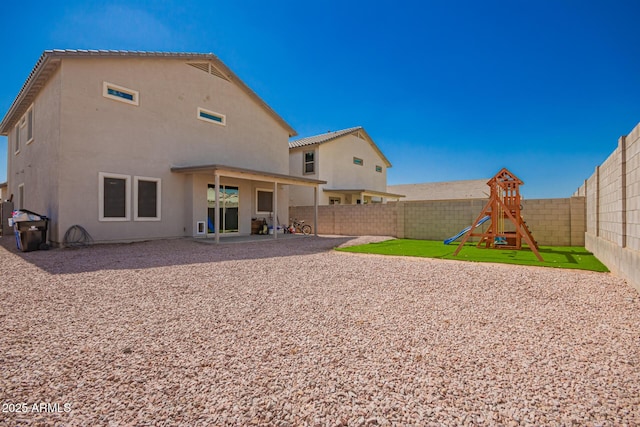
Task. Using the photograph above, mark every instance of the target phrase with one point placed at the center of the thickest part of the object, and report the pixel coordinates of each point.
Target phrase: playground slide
(466, 230)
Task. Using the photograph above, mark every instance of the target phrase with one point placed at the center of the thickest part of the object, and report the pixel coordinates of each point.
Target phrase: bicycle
(300, 227)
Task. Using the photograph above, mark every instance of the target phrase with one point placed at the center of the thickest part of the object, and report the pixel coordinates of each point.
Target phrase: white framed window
(120, 93)
(212, 117)
(264, 201)
(358, 161)
(379, 168)
(147, 198)
(29, 125)
(114, 194)
(309, 165)
(16, 139)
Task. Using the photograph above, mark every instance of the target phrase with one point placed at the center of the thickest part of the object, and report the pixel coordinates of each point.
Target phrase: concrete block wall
(555, 222)
(632, 187)
(439, 219)
(613, 209)
(351, 220)
(609, 195)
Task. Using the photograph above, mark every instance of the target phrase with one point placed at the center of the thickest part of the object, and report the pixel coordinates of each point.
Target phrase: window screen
(309, 164)
(115, 197)
(147, 199)
(265, 201)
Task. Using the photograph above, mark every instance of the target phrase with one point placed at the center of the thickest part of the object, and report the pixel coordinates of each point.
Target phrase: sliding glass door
(228, 209)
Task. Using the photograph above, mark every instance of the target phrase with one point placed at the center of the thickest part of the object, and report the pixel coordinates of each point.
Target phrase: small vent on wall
(208, 68)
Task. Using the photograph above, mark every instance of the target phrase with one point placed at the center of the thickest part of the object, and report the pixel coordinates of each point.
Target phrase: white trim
(201, 225)
(134, 93)
(158, 181)
(16, 139)
(127, 197)
(266, 190)
(304, 162)
(29, 123)
(223, 118)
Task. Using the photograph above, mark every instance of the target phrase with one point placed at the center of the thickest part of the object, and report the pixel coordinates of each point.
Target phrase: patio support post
(315, 210)
(216, 214)
(275, 210)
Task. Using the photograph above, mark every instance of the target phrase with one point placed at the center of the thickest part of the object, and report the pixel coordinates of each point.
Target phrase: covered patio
(222, 171)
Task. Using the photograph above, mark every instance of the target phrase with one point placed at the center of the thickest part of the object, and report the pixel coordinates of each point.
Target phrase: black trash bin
(31, 235)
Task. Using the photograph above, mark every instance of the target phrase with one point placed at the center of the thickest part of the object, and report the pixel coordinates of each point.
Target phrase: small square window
(119, 93)
(212, 117)
(378, 168)
(358, 161)
(264, 201)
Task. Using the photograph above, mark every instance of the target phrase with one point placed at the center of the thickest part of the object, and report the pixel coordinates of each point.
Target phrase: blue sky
(449, 89)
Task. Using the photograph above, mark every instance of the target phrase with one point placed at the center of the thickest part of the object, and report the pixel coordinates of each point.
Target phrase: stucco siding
(337, 167)
(36, 166)
(87, 133)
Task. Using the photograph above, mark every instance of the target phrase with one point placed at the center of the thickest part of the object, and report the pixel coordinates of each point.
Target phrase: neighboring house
(3, 191)
(354, 168)
(468, 189)
(143, 145)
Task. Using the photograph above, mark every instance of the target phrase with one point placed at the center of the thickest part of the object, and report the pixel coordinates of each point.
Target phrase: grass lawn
(575, 257)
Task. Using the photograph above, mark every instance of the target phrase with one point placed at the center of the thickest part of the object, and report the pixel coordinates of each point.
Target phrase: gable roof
(330, 136)
(50, 60)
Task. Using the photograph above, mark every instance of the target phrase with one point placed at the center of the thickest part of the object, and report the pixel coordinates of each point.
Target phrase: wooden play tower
(507, 229)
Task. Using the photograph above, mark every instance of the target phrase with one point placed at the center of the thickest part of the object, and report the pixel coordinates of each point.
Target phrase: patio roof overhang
(219, 171)
(250, 174)
(364, 192)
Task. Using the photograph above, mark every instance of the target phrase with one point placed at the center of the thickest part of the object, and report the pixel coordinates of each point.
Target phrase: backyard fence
(554, 222)
(613, 209)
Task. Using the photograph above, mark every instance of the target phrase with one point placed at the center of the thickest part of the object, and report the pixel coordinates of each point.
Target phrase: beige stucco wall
(302, 196)
(37, 165)
(334, 164)
(97, 134)
(337, 168)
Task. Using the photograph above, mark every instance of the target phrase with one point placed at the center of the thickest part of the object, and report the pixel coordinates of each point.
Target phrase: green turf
(554, 256)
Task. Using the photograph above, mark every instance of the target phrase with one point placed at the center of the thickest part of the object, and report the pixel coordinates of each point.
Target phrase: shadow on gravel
(164, 253)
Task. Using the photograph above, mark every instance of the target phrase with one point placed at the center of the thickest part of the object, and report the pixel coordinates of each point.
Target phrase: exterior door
(229, 201)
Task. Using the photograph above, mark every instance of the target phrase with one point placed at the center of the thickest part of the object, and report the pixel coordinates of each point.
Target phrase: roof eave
(39, 75)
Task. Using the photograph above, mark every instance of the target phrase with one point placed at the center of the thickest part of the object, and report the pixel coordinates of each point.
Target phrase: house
(144, 145)
(465, 189)
(354, 168)
(3, 191)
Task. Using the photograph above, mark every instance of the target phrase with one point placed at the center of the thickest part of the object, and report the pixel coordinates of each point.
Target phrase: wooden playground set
(503, 211)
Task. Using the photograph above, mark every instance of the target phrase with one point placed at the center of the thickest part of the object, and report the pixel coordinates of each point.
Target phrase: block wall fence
(553, 222)
(612, 196)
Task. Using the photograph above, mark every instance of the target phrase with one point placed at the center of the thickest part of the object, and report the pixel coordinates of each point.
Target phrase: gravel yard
(292, 333)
